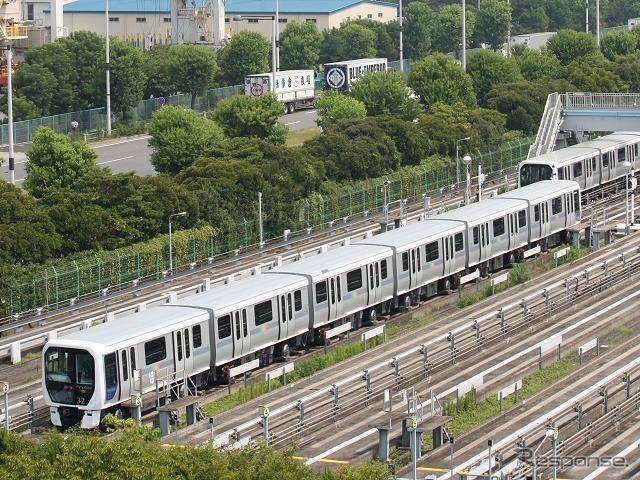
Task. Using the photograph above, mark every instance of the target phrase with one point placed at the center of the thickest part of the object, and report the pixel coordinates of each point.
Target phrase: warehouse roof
(232, 6)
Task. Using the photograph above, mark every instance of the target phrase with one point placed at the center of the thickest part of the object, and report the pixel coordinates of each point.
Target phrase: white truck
(340, 75)
(294, 88)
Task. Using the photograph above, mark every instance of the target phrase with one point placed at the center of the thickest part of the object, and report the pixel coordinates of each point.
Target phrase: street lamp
(549, 432)
(108, 73)
(181, 214)
(386, 205)
(467, 194)
(8, 59)
(458, 158)
(627, 166)
(274, 52)
(464, 35)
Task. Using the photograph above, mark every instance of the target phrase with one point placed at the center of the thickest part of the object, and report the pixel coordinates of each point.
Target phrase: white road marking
(291, 123)
(116, 160)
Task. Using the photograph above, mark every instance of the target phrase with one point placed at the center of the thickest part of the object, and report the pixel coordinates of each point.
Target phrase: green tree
(23, 108)
(246, 53)
(356, 41)
(156, 69)
(244, 116)
(442, 125)
(569, 45)
(385, 45)
(85, 49)
(36, 83)
(28, 235)
(439, 78)
(590, 77)
(192, 69)
(386, 93)
(618, 43)
(416, 29)
(528, 17)
(488, 68)
(56, 161)
(300, 46)
(535, 64)
(409, 140)
(628, 69)
(447, 28)
(178, 137)
(492, 23)
(329, 49)
(333, 106)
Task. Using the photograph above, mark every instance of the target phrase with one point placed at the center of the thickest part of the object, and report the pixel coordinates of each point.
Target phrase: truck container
(340, 75)
(294, 88)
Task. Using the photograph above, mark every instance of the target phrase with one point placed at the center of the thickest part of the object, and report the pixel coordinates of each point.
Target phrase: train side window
(155, 350)
(576, 201)
(283, 312)
(179, 342)
(245, 330)
(459, 241)
(354, 280)
(289, 306)
(418, 259)
(237, 322)
(383, 269)
(111, 374)
(536, 212)
(498, 227)
(197, 336)
(556, 205)
(224, 327)
(321, 291)
(577, 169)
(297, 298)
(377, 275)
(622, 155)
(413, 261)
(476, 235)
(522, 218)
(125, 371)
(187, 346)
(339, 289)
(371, 284)
(561, 174)
(405, 261)
(263, 311)
(333, 291)
(431, 252)
(132, 356)
(605, 160)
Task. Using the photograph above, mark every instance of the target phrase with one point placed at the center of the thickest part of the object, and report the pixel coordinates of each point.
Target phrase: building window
(30, 11)
(227, 20)
(312, 20)
(141, 20)
(282, 20)
(167, 19)
(114, 19)
(369, 15)
(252, 20)
(380, 15)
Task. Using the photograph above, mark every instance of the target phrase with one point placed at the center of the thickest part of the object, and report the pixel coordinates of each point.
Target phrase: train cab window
(498, 227)
(459, 242)
(556, 205)
(237, 318)
(622, 155)
(383, 269)
(264, 313)
(125, 371)
(522, 218)
(179, 342)
(245, 330)
(431, 252)
(111, 374)
(321, 292)
(155, 350)
(224, 327)
(187, 346)
(297, 298)
(354, 280)
(197, 336)
(405, 261)
(577, 169)
(132, 358)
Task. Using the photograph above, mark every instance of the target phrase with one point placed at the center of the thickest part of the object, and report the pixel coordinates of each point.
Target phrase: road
(132, 153)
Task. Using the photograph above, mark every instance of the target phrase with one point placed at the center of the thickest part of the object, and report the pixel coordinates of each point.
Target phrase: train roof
(541, 190)
(159, 320)
(484, 211)
(340, 259)
(417, 233)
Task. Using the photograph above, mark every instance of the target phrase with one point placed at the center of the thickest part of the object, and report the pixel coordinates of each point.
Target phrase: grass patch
(298, 137)
(625, 330)
(304, 368)
(421, 320)
(574, 254)
(31, 355)
(32, 377)
(518, 274)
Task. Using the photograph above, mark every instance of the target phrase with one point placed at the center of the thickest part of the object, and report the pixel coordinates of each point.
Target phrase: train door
(374, 282)
(178, 355)
(125, 375)
(238, 334)
(545, 227)
(485, 242)
(449, 255)
(188, 350)
(513, 231)
(607, 166)
(418, 273)
(286, 315)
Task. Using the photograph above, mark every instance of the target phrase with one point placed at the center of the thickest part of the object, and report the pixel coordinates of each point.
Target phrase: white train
(94, 371)
(593, 164)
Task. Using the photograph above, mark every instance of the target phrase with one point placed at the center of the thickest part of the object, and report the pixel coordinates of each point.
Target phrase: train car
(350, 282)
(591, 164)
(91, 372)
(426, 255)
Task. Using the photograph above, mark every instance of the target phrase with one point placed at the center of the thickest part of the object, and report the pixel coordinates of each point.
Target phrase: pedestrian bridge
(569, 116)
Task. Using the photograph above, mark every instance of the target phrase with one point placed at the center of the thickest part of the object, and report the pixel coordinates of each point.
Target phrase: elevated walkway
(569, 116)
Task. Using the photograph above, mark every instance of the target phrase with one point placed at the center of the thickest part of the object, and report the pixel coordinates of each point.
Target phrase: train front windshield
(532, 173)
(69, 375)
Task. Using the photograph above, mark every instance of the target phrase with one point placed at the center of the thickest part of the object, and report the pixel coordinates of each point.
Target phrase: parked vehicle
(294, 88)
(341, 75)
